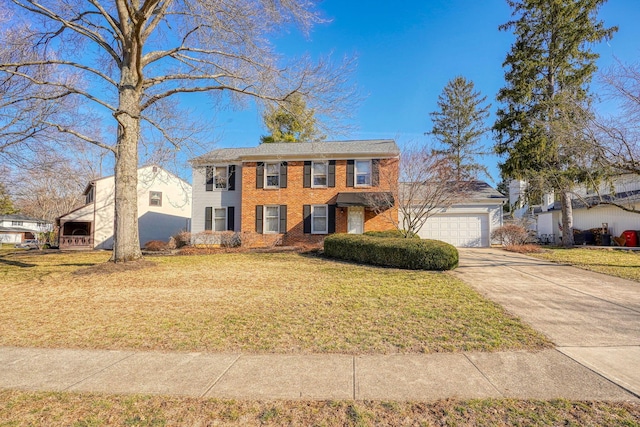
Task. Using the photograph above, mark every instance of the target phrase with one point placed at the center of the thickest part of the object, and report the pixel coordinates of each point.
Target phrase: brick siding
(295, 196)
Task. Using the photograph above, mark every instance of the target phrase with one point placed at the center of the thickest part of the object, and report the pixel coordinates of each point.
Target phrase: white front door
(355, 220)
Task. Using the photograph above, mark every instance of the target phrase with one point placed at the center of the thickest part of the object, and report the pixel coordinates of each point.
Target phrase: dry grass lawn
(619, 263)
(248, 302)
(36, 408)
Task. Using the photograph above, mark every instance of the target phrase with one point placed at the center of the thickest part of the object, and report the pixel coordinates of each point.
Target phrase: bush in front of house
(510, 235)
(155, 246)
(390, 234)
(413, 254)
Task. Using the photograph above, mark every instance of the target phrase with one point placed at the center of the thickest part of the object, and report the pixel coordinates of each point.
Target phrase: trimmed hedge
(395, 234)
(411, 254)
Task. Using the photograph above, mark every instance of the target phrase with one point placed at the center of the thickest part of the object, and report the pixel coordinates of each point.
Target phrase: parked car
(28, 244)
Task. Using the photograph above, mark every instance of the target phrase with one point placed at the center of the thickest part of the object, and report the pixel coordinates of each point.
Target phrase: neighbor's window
(17, 223)
(319, 223)
(272, 175)
(89, 196)
(271, 219)
(220, 219)
(155, 198)
(319, 174)
(363, 172)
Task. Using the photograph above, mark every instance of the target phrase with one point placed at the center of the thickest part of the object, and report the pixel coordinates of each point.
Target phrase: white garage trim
(458, 229)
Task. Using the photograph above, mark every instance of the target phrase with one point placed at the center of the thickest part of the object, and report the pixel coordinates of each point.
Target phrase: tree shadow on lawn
(20, 264)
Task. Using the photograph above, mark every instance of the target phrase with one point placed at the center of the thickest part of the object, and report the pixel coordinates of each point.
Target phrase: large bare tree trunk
(567, 219)
(126, 245)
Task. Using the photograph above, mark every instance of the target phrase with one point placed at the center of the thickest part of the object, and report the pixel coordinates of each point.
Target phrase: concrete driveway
(592, 318)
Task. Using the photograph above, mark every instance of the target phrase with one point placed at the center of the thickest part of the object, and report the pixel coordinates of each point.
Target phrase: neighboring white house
(589, 211)
(18, 228)
(164, 209)
(467, 224)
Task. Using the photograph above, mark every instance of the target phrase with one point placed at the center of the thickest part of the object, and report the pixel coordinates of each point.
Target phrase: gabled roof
(381, 148)
(19, 217)
(475, 191)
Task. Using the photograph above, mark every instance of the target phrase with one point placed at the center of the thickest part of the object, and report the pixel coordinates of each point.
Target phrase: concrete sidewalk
(541, 375)
(591, 317)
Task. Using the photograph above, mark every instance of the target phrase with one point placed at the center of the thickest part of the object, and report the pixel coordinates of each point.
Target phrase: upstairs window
(17, 223)
(319, 174)
(221, 177)
(155, 198)
(272, 175)
(362, 173)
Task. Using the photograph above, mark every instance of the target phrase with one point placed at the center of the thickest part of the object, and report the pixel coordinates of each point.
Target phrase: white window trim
(326, 210)
(226, 219)
(266, 175)
(214, 170)
(151, 198)
(355, 173)
(264, 219)
(215, 174)
(326, 174)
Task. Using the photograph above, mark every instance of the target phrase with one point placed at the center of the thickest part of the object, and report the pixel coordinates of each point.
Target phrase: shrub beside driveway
(249, 302)
(619, 263)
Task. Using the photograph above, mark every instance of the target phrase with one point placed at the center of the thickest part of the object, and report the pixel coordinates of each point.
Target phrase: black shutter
(331, 177)
(375, 172)
(306, 214)
(260, 175)
(283, 218)
(232, 178)
(306, 182)
(231, 219)
(332, 219)
(209, 177)
(208, 218)
(283, 175)
(349, 173)
(259, 219)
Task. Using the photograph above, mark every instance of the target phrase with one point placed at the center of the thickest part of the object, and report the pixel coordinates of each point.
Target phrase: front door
(355, 220)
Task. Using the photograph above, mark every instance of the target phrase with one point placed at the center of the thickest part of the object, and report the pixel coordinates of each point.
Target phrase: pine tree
(546, 95)
(6, 204)
(291, 121)
(459, 126)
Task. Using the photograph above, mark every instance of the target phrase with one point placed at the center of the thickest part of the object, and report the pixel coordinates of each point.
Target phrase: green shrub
(390, 234)
(413, 254)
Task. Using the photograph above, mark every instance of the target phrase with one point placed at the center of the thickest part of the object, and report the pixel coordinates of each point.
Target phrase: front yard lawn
(19, 408)
(619, 263)
(245, 302)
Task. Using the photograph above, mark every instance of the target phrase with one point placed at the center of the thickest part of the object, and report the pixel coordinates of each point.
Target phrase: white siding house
(18, 228)
(591, 209)
(164, 209)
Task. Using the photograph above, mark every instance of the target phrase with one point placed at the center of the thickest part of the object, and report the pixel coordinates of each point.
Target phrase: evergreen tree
(291, 121)
(459, 125)
(6, 204)
(546, 96)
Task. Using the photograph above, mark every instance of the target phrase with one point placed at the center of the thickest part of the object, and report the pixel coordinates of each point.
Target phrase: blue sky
(407, 52)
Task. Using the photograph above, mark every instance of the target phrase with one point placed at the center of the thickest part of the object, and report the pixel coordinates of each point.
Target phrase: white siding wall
(215, 199)
(154, 223)
(617, 219)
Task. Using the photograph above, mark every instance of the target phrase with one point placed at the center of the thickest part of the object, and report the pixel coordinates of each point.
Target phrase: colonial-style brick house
(294, 193)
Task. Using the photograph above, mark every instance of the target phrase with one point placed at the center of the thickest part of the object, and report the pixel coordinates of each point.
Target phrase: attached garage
(468, 224)
(466, 230)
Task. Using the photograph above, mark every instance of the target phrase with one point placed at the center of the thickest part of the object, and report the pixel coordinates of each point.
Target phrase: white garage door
(461, 230)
